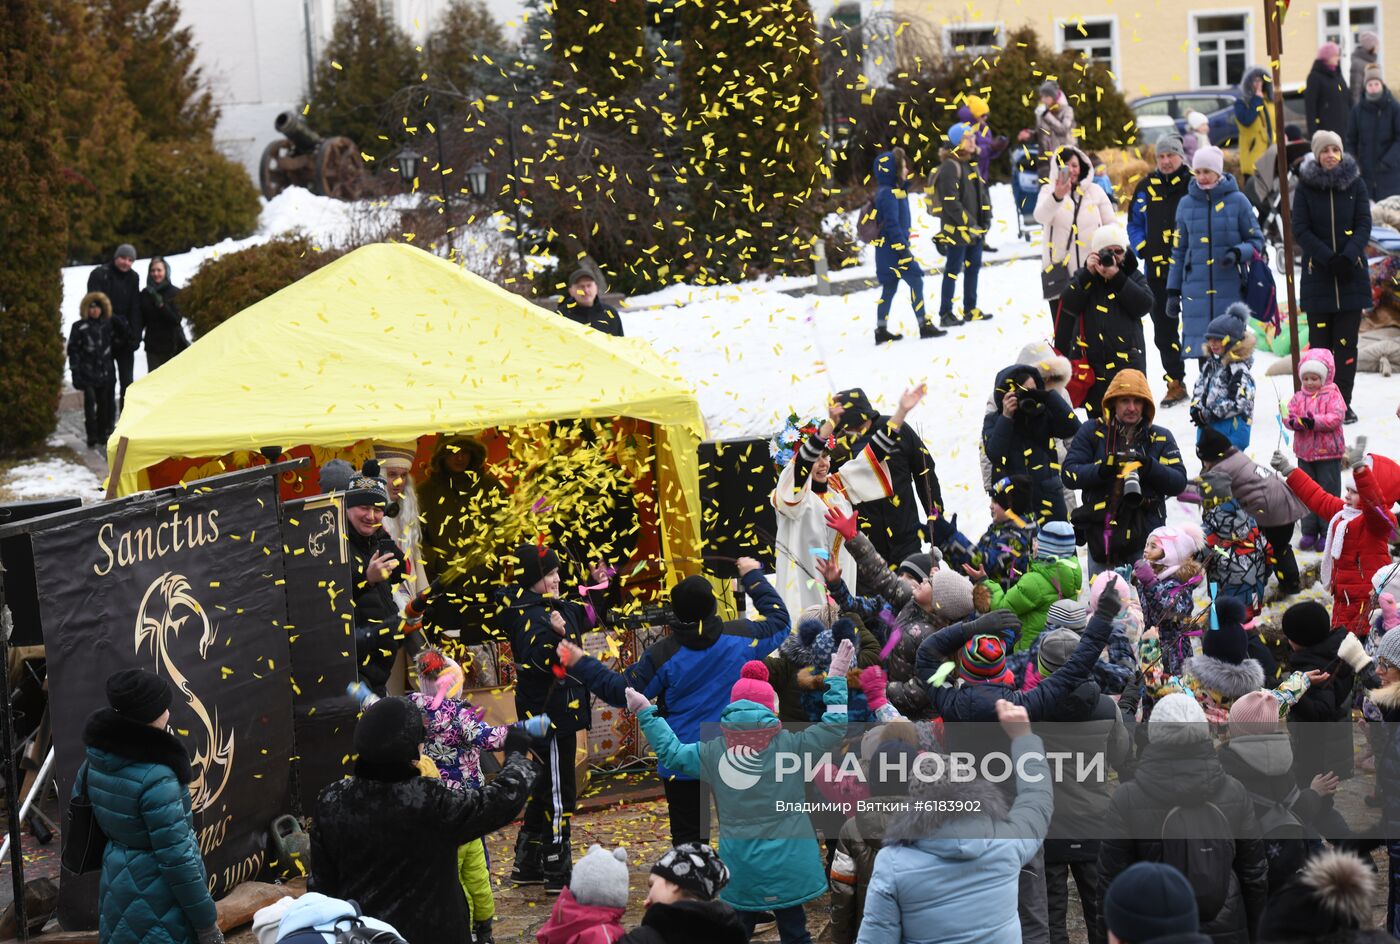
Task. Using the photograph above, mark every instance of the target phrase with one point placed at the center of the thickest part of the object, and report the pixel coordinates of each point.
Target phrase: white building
(259, 55)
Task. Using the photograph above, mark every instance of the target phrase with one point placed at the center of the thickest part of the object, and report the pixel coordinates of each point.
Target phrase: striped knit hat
(982, 659)
(1055, 540)
(1067, 614)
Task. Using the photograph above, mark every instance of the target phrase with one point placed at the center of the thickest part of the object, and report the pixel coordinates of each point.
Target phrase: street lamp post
(408, 167)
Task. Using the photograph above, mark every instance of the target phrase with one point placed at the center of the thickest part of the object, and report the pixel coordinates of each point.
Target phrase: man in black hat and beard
(378, 564)
(894, 525)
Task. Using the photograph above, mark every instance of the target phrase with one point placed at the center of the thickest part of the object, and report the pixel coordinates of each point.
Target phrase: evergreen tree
(751, 120)
(600, 45)
(368, 60)
(157, 57)
(467, 50)
(95, 132)
(32, 229)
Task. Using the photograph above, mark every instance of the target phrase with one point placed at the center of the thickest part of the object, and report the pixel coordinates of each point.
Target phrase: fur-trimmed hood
(1055, 369)
(129, 740)
(1230, 681)
(1252, 73)
(1313, 174)
(102, 300)
(1242, 351)
(1387, 697)
(947, 834)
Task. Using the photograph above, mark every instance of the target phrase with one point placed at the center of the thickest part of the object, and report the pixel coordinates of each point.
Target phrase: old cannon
(331, 167)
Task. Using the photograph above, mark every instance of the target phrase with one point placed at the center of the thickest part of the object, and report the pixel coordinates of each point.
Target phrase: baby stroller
(1025, 185)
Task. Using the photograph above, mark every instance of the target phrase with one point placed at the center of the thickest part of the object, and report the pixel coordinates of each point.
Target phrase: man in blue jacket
(894, 254)
(690, 673)
(1152, 227)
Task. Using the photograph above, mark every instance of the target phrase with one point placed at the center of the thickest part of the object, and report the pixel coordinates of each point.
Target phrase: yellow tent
(390, 342)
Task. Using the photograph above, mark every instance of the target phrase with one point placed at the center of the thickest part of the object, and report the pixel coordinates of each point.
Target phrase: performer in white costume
(807, 488)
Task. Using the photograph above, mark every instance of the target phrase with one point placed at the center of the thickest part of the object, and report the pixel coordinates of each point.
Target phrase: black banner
(320, 616)
(189, 588)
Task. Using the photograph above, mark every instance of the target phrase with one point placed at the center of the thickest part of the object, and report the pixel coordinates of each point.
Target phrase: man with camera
(1102, 310)
(1125, 468)
(1019, 436)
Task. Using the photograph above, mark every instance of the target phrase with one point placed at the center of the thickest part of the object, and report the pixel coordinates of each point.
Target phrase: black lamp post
(478, 178)
(408, 166)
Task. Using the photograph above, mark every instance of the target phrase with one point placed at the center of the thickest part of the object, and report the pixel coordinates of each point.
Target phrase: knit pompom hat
(1067, 614)
(753, 686)
(600, 878)
(1114, 234)
(982, 659)
(1209, 158)
(694, 867)
(1389, 649)
(1056, 646)
(1254, 713)
(1099, 583)
(1228, 642)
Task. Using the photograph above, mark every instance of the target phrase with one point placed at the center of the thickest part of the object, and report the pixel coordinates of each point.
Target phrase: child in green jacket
(1054, 575)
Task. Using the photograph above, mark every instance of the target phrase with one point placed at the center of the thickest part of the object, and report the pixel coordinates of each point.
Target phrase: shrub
(187, 195)
(225, 286)
(32, 228)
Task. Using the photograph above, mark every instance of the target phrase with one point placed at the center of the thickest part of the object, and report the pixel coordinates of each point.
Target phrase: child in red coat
(1359, 531)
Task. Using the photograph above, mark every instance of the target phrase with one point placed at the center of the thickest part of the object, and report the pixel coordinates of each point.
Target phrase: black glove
(1174, 305)
(1308, 421)
(1198, 416)
(1109, 602)
(1003, 623)
(518, 741)
(1107, 473)
(1231, 258)
(1340, 266)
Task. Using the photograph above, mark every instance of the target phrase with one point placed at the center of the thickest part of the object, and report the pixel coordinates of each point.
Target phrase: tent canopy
(390, 342)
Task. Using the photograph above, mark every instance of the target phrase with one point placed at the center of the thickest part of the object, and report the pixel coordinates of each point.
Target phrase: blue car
(1218, 105)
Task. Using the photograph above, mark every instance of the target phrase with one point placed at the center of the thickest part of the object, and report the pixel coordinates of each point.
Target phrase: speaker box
(17, 557)
(737, 478)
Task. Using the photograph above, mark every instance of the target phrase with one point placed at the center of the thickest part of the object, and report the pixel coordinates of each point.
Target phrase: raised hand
(842, 524)
(841, 659)
(1014, 719)
(381, 565)
(830, 570)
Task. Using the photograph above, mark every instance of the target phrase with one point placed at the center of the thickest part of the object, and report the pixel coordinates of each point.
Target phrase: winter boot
(1349, 418)
(1176, 393)
(481, 933)
(1308, 542)
(1320, 545)
(928, 329)
(978, 314)
(883, 335)
(529, 849)
(950, 320)
(558, 866)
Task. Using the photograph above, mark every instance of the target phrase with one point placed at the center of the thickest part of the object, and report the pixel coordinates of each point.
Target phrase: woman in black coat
(165, 333)
(1019, 437)
(1332, 225)
(387, 837)
(1373, 136)
(1326, 98)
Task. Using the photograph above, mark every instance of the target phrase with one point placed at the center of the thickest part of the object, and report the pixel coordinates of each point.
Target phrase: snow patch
(52, 478)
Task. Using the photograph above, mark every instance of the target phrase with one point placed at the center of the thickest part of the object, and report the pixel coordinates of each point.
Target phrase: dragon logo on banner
(166, 606)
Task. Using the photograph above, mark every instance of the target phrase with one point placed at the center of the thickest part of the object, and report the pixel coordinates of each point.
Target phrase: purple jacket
(988, 145)
(1327, 409)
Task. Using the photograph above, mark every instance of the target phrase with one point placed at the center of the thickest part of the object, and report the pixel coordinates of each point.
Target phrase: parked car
(1218, 105)
(1153, 128)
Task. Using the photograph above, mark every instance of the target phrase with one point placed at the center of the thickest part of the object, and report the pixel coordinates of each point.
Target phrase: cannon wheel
(272, 179)
(339, 169)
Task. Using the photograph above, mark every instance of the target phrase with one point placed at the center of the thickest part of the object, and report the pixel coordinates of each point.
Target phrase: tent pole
(116, 473)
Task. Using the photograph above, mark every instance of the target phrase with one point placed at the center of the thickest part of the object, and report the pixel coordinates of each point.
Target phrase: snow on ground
(51, 478)
(754, 353)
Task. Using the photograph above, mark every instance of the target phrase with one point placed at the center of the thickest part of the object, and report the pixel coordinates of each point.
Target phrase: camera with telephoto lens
(1132, 485)
(1107, 259)
(1030, 402)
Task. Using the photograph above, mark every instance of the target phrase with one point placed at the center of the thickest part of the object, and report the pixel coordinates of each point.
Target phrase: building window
(1222, 49)
(1091, 38)
(1360, 18)
(972, 39)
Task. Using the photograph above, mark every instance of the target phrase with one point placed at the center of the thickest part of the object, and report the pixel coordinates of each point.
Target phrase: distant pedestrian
(123, 288)
(1054, 119)
(1327, 99)
(1362, 56)
(1254, 118)
(965, 214)
(894, 253)
(165, 331)
(1197, 134)
(1373, 137)
(1070, 207)
(1152, 228)
(90, 366)
(582, 305)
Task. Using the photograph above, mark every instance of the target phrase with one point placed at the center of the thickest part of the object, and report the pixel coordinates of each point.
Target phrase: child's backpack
(868, 223)
(1197, 841)
(1260, 293)
(1287, 842)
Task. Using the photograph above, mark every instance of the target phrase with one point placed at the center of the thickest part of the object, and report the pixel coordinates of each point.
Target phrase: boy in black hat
(535, 620)
(583, 306)
(379, 564)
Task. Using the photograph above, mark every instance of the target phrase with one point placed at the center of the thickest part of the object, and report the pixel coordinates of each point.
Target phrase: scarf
(1336, 534)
